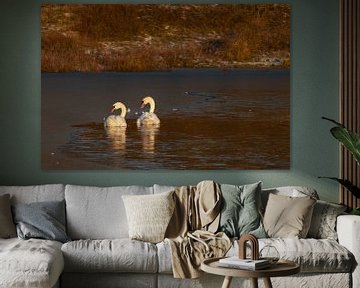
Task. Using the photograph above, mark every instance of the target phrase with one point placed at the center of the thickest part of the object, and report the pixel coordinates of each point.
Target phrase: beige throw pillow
(148, 215)
(7, 226)
(288, 217)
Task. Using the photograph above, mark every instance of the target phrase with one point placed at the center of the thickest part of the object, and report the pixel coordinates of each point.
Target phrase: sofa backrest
(163, 188)
(293, 191)
(98, 212)
(36, 193)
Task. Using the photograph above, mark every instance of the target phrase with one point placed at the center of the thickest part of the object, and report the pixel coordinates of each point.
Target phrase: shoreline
(198, 69)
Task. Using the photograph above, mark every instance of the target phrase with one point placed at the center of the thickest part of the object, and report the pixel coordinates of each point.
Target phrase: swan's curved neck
(152, 106)
(123, 111)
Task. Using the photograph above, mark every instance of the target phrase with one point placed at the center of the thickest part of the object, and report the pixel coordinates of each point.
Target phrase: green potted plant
(351, 141)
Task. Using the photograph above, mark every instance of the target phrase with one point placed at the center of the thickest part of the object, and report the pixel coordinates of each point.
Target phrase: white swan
(148, 118)
(117, 120)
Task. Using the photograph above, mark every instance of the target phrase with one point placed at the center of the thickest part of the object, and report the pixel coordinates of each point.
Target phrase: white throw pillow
(149, 215)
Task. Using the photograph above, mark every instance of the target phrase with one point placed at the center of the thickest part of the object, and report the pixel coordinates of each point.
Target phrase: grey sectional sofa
(101, 254)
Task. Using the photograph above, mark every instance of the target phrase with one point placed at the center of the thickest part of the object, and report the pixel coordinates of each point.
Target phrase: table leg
(227, 282)
(254, 282)
(267, 283)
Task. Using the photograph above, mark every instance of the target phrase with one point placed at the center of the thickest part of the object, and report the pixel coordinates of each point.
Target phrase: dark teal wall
(314, 93)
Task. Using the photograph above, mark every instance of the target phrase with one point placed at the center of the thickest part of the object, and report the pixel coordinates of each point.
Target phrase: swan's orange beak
(142, 104)
(112, 109)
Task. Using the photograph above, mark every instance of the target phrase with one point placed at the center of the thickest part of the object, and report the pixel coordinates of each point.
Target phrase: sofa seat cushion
(110, 255)
(313, 255)
(30, 263)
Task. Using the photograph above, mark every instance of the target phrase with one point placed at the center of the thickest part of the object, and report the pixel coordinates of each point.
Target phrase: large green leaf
(349, 139)
(348, 185)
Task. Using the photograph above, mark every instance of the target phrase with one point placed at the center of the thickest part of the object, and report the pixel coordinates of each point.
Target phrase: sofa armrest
(348, 230)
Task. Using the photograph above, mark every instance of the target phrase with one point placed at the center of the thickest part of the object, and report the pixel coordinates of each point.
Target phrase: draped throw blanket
(191, 231)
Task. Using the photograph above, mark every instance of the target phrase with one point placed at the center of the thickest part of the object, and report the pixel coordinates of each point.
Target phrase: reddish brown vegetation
(151, 37)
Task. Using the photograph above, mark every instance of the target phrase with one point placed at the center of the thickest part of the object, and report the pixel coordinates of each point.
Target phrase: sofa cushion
(30, 263)
(313, 255)
(164, 257)
(149, 215)
(7, 227)
(240, 210)
(117, 255)
(287, 216)
(98, 213)
(36, 193)
(323, 222)
(43, 220)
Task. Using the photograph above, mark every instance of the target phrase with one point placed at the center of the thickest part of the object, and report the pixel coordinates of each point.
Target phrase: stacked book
(248, 264)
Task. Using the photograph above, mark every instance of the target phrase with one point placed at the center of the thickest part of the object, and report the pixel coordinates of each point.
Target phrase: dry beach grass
(146, 37)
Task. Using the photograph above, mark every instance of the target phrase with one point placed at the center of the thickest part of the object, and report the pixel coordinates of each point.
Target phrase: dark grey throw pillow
(43, 220)
(240, 213)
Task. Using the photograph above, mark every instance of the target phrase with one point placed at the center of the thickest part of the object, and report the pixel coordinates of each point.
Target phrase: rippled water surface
(210, 119)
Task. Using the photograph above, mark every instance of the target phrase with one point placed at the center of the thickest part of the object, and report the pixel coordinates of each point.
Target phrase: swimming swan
(117, 120)
(148, 118)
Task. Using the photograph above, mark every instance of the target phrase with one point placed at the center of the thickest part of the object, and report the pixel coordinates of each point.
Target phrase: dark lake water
(210, 119)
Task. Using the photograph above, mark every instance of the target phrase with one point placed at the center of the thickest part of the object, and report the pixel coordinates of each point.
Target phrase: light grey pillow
(240, 212)
(288, 217)
(323, 222)
(44, 220)
(7, 226)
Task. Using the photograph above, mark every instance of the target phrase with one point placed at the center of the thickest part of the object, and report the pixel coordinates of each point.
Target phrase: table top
(281, 268)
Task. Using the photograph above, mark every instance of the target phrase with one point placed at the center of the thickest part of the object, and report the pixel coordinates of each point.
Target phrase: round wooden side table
(281, 268)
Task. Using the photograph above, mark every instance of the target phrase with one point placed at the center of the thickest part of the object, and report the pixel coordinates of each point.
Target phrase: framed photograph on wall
(165, 86)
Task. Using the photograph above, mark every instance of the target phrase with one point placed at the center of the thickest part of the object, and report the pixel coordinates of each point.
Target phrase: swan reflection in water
(148, 137)
(117, 137)
(148, 124)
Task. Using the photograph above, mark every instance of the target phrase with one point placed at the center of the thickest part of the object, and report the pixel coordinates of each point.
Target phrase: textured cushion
(98, 213)
(36, 193)
(287, 216)
(7, 227)
(149, 215)
(117, 255)
(240, 210)
(44, 220)
(31, 263)
(323, 222)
